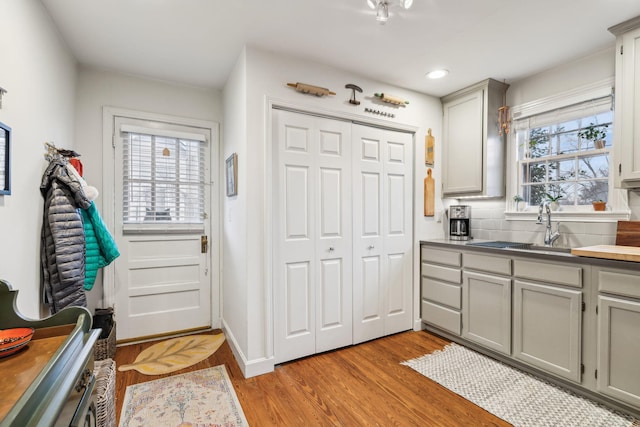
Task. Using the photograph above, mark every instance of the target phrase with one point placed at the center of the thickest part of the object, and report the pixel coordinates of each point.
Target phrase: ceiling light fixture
(382, 8)
(437, 74)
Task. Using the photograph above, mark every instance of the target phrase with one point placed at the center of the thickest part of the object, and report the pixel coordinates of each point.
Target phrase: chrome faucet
(549, 237)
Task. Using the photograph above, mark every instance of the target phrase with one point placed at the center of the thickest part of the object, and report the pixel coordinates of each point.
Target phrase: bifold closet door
(312, 231)
(383, 232)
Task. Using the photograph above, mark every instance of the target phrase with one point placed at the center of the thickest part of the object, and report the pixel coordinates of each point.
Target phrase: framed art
(5, 159)
(232, 175)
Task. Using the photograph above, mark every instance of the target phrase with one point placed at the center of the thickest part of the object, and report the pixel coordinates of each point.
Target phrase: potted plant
(599, 205)
(595, 133)
(554, 195)
(517, 199)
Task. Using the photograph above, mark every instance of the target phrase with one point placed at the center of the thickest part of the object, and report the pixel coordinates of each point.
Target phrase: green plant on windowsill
(553, 196)
(595, 133)
(517, 199)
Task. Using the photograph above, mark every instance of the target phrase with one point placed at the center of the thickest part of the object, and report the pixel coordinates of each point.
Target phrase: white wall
(99, 88)
(267, 75)
(39, 74)
(488, 216)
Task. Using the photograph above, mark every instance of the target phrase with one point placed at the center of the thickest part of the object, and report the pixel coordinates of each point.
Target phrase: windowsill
(570, 216)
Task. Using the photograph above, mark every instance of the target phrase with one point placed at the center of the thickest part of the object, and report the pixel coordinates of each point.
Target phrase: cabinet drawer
(487, 263)
(546, 272)
(447, 274)
(443, 293)
(620, 283)
(441, 317)
(439, 256)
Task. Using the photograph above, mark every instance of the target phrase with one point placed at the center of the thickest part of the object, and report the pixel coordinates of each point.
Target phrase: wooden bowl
(16, 337)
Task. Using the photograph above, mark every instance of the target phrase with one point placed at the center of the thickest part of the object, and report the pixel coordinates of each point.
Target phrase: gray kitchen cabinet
(440, 288)
(486, 313)
(626, 131)
(618, 323)
(473, 152)
(547, 328)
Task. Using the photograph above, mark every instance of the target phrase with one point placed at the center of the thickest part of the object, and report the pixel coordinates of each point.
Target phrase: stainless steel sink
(521, 247)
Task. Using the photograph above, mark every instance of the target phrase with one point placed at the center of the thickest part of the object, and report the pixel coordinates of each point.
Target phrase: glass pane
(562, 170)
(537, 172)
(589, 191)
(567, 143)
(594, 166)
(534, 194)
(539, 142)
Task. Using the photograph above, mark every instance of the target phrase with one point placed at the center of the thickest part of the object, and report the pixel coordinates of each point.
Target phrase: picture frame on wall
(232, 175)
(5, 159)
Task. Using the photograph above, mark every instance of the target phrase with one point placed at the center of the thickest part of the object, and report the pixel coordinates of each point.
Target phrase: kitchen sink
(518, 246)
(500, 245)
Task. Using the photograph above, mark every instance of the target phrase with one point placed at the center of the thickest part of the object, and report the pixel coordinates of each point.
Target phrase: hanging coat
(101, 248)
(62, 251)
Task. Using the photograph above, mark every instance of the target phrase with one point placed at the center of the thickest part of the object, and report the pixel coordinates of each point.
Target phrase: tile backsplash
(488, 222)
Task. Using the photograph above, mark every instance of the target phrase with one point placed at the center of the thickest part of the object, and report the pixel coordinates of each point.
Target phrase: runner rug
(515, 396)
(200, 398)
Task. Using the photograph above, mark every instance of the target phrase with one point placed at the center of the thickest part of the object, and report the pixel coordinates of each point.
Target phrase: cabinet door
(382, 232)
(547, 328)
(486, 310)
(313, 260)
(626, 133)
(463, 148)
(618, 349)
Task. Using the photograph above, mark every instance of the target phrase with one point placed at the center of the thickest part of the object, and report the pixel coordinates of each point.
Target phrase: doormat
(199, 398)
(513, 395)
(175, 354)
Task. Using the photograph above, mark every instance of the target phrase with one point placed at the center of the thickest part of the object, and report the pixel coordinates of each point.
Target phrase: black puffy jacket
(63, 243)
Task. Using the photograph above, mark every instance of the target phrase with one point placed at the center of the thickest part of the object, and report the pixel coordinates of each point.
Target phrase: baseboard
(249, 368)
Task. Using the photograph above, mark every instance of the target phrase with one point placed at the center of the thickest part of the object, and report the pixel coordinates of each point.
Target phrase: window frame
(617, 204)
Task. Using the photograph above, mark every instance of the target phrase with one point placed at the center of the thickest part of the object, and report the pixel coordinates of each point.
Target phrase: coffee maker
(459, 222)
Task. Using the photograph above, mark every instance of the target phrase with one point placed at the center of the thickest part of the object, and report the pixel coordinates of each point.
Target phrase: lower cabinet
(618, 323)
(486, 313)
(547, 328)
(440, 279)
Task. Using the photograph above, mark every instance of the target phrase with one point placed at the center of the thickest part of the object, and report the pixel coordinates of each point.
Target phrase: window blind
(164, 180)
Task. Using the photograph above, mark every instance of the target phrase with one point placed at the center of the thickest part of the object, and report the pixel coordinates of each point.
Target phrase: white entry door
(162, 220)
(382, 232)
(312, 234)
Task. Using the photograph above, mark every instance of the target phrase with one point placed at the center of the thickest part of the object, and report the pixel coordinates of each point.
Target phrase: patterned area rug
(175, 354)
(515, 396)
(198, 399)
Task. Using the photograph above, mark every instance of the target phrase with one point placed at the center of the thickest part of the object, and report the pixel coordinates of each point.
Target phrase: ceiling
(196, 42)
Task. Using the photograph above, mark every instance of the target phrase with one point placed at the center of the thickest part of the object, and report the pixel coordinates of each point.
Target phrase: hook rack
(60, 154)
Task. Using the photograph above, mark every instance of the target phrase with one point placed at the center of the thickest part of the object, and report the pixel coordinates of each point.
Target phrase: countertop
(540, 253)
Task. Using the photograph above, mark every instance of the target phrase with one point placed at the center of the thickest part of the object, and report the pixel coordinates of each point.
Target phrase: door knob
(371, 247)
(331, 249)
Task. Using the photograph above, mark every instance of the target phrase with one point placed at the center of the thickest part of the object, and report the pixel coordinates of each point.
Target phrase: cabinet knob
(371, 247)
(331, 249)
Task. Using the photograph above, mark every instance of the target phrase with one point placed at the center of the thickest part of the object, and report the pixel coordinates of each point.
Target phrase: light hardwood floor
(361, 385)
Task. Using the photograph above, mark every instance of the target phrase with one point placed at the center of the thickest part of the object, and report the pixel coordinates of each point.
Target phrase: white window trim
(617, 206)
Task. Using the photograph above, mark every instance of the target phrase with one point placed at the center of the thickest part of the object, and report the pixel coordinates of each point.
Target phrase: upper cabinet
(626, 134)
(473, 152)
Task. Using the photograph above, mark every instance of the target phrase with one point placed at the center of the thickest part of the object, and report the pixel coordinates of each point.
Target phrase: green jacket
(101, 249)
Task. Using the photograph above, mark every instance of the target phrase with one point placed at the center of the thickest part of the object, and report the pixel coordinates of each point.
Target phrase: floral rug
(202, 398)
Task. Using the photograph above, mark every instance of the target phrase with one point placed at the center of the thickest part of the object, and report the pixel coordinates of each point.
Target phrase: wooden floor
(362, 385)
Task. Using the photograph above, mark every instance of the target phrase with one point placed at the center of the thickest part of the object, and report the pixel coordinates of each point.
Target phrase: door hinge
(596, 309)
(619, 168)
(596, 374)
(581, 368)
(621, 49)
(204, 244)
(113, 141)
(583, 306)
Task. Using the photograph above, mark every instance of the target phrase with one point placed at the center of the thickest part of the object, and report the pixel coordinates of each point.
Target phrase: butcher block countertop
(617, 252)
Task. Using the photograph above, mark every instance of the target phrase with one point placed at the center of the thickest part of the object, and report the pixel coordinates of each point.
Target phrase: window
(164, 178)
(556, 158)
(563, 153)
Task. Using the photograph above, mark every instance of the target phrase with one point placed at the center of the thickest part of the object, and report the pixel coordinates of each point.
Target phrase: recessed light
(437, 74)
